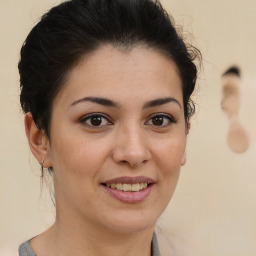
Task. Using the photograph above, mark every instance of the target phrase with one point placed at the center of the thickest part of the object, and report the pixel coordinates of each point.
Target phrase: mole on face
(237, 138)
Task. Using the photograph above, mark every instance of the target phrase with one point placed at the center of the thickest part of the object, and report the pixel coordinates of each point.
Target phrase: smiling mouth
(127, 187)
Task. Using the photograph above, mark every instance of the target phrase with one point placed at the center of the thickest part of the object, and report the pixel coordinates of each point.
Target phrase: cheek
(169, 157)
(170, 153)
(77, 155)
(76, 163)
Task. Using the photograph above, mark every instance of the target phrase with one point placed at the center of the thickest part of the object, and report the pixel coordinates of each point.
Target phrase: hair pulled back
(77, 27)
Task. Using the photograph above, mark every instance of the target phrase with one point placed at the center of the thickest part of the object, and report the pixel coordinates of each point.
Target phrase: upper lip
(130, 180)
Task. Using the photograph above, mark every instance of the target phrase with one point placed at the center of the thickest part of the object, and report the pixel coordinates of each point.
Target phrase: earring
(42, 168)
(42, 163)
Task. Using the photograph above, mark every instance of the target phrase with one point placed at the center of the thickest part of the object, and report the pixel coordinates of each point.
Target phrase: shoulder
(154, 246)
(26, 250)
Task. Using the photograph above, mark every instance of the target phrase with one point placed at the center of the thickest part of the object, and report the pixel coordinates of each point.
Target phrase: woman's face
(118, 122)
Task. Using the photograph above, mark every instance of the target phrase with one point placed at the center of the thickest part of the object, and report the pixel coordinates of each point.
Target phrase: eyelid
(84, 118)
(168, 116)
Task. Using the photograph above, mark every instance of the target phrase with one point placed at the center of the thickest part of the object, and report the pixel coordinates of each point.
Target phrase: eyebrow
(161, 101)
(101, 101)
(111, 103)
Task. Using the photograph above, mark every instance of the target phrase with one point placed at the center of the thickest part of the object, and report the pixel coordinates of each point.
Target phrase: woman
(106, 88)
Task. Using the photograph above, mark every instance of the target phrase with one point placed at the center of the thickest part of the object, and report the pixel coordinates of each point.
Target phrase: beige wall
(213, 211)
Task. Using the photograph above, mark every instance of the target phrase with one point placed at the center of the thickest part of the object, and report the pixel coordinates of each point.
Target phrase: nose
(131, 148)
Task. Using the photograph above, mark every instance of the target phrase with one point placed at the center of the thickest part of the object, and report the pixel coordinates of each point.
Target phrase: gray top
(26, 250)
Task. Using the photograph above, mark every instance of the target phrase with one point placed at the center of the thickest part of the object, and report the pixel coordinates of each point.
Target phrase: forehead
(112, 72)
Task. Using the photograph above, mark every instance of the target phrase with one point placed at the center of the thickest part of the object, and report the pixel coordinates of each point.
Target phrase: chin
(132, 227)
(132, 222)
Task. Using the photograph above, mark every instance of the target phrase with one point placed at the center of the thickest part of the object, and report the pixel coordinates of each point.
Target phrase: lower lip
(129, 197)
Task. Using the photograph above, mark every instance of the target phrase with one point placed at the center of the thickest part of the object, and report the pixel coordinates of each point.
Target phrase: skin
(237, 139)
(127, 143)
(230, 95)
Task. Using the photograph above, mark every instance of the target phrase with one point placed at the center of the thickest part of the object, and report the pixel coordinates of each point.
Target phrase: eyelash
(88, 117)
(166, 116)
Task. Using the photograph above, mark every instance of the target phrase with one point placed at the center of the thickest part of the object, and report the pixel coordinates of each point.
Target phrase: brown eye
(161, 120)
(158, 120)
(95, 121)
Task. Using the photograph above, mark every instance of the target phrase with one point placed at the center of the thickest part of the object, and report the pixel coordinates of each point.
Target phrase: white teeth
(119, 186)
(136, 187)
(128, 187)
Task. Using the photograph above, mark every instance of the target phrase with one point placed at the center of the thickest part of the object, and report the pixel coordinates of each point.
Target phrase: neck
(79, 238)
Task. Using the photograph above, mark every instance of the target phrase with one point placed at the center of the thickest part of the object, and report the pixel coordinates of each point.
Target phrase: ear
(38, 141)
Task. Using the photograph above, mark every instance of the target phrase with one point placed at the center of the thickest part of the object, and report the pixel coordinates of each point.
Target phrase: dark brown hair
(76, 27)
